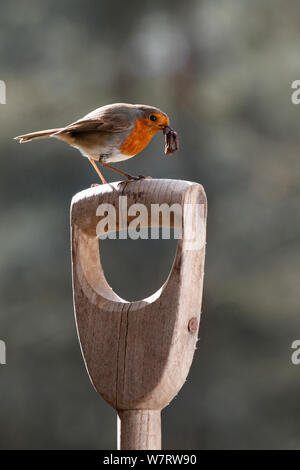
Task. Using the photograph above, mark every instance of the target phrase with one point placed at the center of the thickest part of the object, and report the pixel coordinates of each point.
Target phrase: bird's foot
(139, 177)
(94, 185)
(135, 178)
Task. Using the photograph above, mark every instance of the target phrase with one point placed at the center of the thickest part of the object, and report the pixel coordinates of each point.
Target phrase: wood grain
(139, 430)
(138, 354)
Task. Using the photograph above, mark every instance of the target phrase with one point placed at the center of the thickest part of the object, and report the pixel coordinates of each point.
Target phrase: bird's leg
(128, 176)
(97, 170)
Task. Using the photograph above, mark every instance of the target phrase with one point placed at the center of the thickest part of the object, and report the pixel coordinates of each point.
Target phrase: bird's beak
(164, 124)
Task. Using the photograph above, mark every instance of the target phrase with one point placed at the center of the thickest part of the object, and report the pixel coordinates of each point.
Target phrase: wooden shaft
(139, 430)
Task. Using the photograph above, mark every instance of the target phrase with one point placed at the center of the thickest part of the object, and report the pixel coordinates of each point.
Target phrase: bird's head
(147, 121)
(153, 118)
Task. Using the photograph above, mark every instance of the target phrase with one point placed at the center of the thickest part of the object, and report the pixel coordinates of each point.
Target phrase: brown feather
(36, 135)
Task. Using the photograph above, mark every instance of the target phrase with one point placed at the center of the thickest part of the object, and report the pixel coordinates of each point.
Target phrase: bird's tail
(36, 135)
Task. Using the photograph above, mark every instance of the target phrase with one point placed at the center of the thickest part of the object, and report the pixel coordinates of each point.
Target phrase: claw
(135, 178)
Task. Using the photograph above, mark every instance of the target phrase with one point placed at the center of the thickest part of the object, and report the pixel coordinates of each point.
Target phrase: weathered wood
(138, 354)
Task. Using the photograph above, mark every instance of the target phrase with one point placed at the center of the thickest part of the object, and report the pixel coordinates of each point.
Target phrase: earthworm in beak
(171, 140)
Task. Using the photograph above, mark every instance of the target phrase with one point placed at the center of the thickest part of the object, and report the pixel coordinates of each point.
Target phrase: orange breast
(140, 136)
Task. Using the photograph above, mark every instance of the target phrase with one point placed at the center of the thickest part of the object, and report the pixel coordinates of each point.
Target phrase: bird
(113, 133)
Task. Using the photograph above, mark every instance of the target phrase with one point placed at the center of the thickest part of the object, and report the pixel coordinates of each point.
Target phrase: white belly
(96, 152)
(119, 157)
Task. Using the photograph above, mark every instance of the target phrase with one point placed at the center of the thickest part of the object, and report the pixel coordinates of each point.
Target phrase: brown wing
(92, 126)
(104, 119)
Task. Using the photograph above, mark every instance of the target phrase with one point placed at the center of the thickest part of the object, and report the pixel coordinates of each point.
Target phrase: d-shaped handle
(138, 354)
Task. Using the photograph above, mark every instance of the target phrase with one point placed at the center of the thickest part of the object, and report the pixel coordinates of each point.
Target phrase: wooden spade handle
(138, 354)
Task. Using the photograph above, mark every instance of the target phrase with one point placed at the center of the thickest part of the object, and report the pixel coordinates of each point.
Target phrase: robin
(113, 133)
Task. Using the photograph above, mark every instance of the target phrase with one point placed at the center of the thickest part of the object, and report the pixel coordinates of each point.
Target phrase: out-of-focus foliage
(223, 72)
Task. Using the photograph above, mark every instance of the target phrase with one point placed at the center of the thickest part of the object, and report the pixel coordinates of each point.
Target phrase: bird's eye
(153, 117)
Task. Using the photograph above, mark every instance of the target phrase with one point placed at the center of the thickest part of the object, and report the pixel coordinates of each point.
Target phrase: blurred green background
(223, 71)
